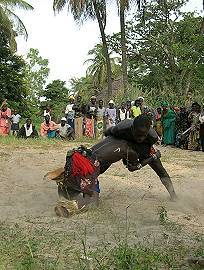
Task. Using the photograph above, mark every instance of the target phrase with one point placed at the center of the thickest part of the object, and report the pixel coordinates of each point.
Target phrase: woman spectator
(5, 114)
(168, 120)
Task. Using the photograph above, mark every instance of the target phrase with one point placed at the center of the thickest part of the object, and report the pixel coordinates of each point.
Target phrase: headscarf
(71, 98)
(165, 103)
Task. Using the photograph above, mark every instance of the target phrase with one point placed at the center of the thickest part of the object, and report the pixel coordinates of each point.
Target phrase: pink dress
(4, 122)
(44, 128)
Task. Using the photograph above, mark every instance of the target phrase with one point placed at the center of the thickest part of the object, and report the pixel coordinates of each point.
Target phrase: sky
(62, 41)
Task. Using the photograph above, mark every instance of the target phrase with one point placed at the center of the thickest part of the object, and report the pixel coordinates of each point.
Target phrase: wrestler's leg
(157, 166)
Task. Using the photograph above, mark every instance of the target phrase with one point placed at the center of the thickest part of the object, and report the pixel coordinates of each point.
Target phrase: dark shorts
(15, 127)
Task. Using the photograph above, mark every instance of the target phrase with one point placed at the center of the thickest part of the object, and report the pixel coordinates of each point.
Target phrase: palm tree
(90, 9)
(123, 7)
(98, 69)
(10, 24)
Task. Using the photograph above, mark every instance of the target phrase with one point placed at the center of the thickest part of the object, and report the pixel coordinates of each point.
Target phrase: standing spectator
(136, 111)
(27, 130)
(158, 123)
(48, 128)
(182, 126)
(90, 119)
(142, 106)
(128, 109)
(47, 111)
(5, 114)
(65, 131)
(122, 112)
(78, 117)
(168, 124)
(193, 119)
(110, 114)
(201, 119)
(69, 112)
(15, 119)
(100, 117)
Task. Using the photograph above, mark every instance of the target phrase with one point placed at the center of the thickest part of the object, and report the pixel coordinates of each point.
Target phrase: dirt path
(26, 198)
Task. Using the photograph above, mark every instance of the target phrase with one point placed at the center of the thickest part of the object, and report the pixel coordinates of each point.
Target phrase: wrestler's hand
(157, 155)
(134, 167)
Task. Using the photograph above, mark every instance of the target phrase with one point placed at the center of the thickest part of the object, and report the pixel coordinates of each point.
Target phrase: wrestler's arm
(157, 166)
(133, 166)
(120, 129)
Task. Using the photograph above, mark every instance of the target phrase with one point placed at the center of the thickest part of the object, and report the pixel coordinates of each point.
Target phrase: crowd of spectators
(176, 126)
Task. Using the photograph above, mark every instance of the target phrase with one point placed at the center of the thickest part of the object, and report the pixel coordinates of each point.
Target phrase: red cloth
(81, 165)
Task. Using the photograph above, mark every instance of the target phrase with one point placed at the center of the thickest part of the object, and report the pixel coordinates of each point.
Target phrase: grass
(43, 142)
(37, 249)
(60, 244)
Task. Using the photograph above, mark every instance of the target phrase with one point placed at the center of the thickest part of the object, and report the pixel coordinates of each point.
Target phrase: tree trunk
(123, 48)
(105, 49)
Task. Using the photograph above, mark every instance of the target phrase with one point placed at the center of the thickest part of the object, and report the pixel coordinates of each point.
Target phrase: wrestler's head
(141, 126)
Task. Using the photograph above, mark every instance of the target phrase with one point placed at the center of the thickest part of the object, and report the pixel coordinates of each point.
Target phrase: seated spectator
(15, 119)
(48, 128)
(27, 130)
(65, 131)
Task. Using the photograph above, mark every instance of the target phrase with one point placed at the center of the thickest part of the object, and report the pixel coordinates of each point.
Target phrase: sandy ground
(25, 198)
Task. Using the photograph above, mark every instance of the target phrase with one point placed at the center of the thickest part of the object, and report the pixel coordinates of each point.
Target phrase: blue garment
(70, 122)
(51, 134)
(98, 187)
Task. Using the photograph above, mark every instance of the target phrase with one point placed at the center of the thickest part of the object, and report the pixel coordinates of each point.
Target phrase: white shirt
(69, 111)
(15, 118)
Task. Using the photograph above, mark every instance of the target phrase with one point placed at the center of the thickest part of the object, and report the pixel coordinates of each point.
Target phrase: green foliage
(13, 81)
(55, 91)
(83, 86)
(37, 72)
(10, 24)
(98, 68)
(56, 94)
(165, 52)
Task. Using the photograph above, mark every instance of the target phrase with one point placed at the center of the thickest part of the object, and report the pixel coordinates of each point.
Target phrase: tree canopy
(13, 80)
(10, 24)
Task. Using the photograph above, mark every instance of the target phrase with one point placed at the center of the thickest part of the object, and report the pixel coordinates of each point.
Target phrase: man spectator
(65, 131)
(110, 114)
(78, 108)
(15, 119)
(122, 112)
(27, 130)
(69, 112)
(47, 111)
(128, 110)
(100, 115)
(136, 110)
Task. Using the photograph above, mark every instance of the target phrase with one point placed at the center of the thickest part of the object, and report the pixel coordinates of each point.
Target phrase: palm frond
(6, 27)
(19, 26)
(16, 4)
